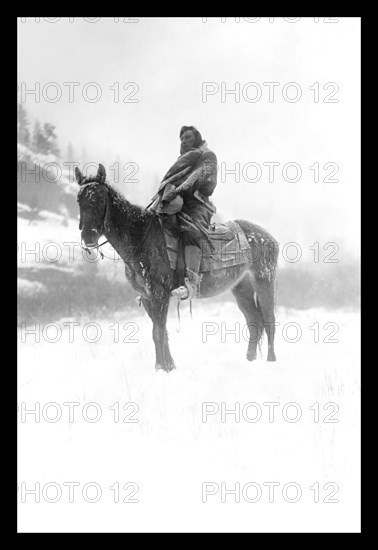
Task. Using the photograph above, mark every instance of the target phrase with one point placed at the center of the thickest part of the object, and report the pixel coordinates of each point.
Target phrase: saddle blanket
(228, 246)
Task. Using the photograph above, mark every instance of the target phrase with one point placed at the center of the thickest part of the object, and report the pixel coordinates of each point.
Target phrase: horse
(136, 234)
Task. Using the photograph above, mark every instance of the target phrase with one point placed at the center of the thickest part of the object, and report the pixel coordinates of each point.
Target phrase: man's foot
(181, 293)
(190, 290)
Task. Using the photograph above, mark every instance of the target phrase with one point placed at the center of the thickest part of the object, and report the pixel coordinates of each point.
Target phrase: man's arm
(205, 175)
(191, 181)
(205, 172)
(187, 160)
(189, 184)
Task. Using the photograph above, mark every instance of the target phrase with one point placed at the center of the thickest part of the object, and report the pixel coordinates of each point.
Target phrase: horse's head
(92, 199)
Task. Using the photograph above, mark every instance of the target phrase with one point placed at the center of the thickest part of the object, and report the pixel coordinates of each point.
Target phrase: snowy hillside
(53, 271)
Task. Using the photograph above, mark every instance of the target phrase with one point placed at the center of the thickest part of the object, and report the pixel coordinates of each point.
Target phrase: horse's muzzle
(90, 238)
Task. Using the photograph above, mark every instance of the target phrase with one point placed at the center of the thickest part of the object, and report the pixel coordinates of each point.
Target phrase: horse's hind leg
(265, 290)
(244, 294)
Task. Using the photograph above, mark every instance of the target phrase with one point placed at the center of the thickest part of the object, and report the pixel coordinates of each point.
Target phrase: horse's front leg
(157, 310)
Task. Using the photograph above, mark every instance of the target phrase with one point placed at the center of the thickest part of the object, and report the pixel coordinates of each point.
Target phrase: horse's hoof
(168, 367)
(271, 358)
(251, 356)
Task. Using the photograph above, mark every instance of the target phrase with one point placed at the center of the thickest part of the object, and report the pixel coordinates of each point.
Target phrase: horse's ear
(79, 176)
(101, 173)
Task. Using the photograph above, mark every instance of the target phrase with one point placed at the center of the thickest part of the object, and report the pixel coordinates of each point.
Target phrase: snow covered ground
(107, 421)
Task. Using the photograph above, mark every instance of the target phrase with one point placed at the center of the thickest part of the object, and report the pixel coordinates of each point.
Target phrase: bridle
(100, 231)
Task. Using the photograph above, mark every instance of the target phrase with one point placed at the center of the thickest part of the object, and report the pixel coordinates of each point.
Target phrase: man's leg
(193, 262)
(192, 256)
(191, 239)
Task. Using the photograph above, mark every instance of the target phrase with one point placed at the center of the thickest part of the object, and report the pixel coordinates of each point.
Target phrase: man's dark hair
(198, 138)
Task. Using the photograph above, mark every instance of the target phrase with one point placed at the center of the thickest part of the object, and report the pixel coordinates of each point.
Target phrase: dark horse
(135, 233)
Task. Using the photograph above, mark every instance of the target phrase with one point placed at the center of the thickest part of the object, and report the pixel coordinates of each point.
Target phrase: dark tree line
(42, 139)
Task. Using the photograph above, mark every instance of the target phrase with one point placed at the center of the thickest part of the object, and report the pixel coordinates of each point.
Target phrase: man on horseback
(186, 188)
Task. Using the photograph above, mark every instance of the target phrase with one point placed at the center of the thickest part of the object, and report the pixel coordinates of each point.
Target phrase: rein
(95, 248)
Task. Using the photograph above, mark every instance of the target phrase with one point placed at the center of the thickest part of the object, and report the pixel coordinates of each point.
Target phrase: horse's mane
(127, 217)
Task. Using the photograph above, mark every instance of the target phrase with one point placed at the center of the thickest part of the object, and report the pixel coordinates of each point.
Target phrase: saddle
(222, 245)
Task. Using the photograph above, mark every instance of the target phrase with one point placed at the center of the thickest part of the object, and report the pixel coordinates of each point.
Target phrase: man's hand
(170, 195)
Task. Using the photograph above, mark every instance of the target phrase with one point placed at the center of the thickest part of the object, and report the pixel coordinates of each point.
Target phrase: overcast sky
(168, 60)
